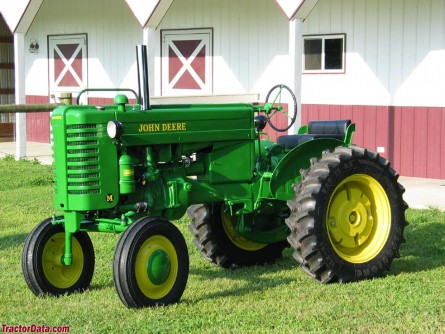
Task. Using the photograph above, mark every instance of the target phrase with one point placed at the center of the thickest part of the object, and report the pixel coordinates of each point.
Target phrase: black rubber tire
(131, 244)
(216, 247)
(292, 110)
(308, 222)
(33, 261)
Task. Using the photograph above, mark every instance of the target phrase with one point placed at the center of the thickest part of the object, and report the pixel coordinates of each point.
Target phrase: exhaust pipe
(141, 51)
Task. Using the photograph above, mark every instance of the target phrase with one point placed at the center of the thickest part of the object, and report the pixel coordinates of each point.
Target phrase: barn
(200, 51)
(381, 63)
(376, 62)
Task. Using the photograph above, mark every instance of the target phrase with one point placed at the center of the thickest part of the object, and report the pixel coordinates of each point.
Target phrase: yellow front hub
(358, 218)
(228, 223)
(156, 267)
(56, 273)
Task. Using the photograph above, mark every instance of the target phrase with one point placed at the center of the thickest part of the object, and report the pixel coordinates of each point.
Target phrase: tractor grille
(82, 159)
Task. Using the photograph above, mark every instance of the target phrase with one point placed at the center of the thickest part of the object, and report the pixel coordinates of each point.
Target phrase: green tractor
(133, 168)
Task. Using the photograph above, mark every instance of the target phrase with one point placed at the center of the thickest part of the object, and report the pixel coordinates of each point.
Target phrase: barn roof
(19, 14)
(149, 13)
(297, 9)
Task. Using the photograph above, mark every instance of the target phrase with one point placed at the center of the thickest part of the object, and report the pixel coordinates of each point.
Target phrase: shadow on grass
(254, 276)
(424, 248)
(101, 286)
(248, 279)
(423, 251)
(11, 241)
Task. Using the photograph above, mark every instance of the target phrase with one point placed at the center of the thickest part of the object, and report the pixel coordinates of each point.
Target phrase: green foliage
(275, 298)
(23, 173)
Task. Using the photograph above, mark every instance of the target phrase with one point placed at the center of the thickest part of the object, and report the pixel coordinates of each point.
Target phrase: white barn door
(68, 68)
(187, 62)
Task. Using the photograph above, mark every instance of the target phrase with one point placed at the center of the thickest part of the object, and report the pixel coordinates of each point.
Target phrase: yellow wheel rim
(242, 243)
(57, 274)
(358, 218)
(156, 267)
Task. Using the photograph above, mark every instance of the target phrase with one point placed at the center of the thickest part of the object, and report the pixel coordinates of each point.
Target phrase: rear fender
(287, 172)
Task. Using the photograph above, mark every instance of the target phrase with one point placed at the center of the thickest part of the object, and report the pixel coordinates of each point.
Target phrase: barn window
(324, 54)
(68, 64)
(187, 61)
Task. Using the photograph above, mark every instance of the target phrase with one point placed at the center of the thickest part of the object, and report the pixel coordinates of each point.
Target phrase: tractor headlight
(115, 129)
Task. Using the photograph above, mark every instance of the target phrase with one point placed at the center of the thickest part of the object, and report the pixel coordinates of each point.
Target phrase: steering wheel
(280, 101)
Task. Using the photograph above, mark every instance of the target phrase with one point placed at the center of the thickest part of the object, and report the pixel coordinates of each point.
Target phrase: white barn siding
(394, 81)
(250, 42)
(112, 35)
(395, 53)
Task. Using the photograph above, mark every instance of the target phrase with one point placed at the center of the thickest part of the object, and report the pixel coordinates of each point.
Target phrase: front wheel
(348, 216)
(42, 264)
(151, 264)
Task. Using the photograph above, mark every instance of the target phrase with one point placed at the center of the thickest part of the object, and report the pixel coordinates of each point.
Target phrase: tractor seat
(316, 130)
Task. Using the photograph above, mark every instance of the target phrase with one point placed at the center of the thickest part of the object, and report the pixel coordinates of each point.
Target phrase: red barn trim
(413, 137)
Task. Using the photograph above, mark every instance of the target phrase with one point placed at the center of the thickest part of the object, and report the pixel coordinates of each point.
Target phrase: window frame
(324, 37)
(166, 36)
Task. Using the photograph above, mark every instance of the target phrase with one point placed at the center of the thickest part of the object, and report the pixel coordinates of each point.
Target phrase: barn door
(187, 62)
(7, 85)
(67, 64)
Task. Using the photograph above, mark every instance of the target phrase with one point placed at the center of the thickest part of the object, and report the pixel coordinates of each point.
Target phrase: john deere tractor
(134, 168)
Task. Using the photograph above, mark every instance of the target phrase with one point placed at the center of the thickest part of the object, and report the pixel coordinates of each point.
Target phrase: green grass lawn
(275, 298)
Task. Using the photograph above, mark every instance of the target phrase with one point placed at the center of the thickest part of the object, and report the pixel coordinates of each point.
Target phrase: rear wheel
(42, 264)
(215, 236)
(348, 216)
(151, 264)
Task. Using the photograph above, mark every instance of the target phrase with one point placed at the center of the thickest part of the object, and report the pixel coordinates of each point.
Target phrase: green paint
(104, 184)
(158, 267)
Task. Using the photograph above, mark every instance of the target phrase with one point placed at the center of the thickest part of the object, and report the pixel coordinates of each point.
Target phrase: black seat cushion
(328, 127)
(316, 130)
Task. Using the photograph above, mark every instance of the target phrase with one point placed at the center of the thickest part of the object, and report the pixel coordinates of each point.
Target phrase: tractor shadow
(12, 241)
(245, 280)
(424, 249)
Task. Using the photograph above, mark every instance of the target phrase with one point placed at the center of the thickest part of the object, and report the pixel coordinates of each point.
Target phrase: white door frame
(203, 39)
(78, 77)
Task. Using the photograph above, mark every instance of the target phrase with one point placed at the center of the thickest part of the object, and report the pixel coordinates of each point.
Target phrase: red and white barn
(391, 81)
(199, 50)
(377, 62)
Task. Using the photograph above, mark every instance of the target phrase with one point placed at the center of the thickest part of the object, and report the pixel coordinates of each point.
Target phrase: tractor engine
(118, 158)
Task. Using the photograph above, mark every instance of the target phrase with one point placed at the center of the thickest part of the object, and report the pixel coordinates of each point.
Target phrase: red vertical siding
(420, 141)
(413, 137)
(434, 135)
(37, 124)
(442, 146)
(100, 101)
(280, 121)
(406, 140)
(346, 112)
(382, 124)
(370, 130)
(395, 145)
